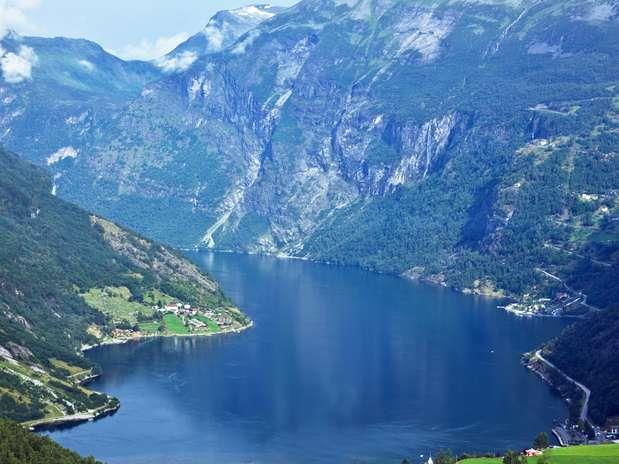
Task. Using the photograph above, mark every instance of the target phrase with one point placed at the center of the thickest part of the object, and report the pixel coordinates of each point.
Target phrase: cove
(342, 365)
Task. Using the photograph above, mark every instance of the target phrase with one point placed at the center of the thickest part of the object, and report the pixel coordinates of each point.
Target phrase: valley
(464, 143)
(422, 155)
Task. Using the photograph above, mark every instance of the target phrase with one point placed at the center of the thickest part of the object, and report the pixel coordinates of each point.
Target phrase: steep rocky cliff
(470, 142)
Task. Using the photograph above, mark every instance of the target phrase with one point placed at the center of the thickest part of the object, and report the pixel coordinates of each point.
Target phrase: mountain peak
(222, 30)
(228, 25)
(252, 13)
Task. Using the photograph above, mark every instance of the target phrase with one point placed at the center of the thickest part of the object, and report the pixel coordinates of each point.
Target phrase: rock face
(313, 130)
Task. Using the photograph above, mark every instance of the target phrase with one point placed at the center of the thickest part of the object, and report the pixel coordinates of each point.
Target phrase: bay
(342, 365)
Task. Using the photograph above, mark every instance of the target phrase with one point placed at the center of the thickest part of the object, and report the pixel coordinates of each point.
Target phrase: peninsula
(71, 281)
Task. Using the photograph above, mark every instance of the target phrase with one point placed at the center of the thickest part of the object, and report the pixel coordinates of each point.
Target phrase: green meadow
(174, 325)
(594, 454)
(116, 303)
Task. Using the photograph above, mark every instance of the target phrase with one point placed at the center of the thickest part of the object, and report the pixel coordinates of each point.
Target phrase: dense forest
(18, 446)
(504, 215)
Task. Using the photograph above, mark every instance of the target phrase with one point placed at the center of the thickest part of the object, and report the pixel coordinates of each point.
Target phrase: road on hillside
(584, 413)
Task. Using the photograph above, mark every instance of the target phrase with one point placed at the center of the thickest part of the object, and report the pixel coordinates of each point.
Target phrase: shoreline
(528, 314)
(73, 420)
(584, 409)
(565, 387)
(122, 341)
(474, 292)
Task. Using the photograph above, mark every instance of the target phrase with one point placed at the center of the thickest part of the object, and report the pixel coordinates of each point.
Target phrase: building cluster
(607, 433)
(185, 310)
(179, 309)
(575, 434)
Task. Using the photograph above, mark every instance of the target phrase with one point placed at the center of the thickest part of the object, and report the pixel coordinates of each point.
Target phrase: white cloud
(17, 68)
(62, 153)
(215, 37)
(179, 62)
(14, 15)
(147, 50)
(240, 47)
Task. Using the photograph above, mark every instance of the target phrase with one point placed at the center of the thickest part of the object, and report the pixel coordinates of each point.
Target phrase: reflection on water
(342, 365)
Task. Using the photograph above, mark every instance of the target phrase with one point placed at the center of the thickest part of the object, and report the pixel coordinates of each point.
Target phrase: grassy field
(174, 325)
(212, 326)
(154, 297)
(600, 454)
(114, 302)
(72, 370)
(149, 327)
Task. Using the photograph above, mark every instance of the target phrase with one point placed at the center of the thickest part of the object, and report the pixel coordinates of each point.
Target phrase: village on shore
(178, 318)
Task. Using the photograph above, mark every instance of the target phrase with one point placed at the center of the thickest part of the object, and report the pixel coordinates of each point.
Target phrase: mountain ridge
(334, 121)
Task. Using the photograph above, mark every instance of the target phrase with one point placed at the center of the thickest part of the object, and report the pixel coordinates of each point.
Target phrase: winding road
(584, 412)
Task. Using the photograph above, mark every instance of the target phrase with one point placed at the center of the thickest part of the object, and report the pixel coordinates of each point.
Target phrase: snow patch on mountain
(62, 153)
(226, 26)
(87, 65)
(254, 12)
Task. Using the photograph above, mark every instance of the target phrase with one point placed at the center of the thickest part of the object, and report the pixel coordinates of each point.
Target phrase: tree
(514, 458)
(541, 442)
(445, 457)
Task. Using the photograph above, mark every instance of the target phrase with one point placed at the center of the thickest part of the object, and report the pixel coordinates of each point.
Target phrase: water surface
(342, 366)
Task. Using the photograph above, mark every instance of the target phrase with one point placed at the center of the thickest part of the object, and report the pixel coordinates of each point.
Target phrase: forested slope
(18, 446)
(589, 352)
(51, 255)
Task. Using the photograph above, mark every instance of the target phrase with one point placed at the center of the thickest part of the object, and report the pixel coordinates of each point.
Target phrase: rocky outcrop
(146, 255)
(19, 352)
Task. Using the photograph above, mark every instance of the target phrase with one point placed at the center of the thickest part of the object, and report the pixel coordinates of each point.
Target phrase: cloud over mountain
(17, 67)
(147, 49)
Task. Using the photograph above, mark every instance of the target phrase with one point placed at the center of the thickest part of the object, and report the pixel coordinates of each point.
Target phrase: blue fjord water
(342, 366)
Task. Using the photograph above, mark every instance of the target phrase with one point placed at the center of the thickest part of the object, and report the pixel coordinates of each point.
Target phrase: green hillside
(17, 446)
(588, 351)
(53, 255)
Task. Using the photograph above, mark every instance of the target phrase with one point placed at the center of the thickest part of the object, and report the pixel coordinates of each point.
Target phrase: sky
(131, 29)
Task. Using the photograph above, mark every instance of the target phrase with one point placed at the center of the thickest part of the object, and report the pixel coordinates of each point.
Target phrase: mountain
(56, 91)
(471, 143)
(69, 279)
(222, 30)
